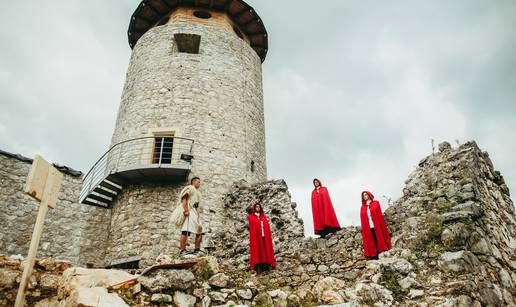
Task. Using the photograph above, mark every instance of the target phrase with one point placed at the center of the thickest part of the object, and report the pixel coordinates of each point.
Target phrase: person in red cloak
(375, 236)
(260, 241)
(325, 220)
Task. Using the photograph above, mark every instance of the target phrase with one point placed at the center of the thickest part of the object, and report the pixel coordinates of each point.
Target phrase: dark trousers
(375, 244)
(261, 267)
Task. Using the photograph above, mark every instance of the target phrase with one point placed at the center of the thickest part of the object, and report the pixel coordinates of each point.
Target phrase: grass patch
(205, 275)
(442, 205)
(262, 301)
(389, 280)
(429, 238)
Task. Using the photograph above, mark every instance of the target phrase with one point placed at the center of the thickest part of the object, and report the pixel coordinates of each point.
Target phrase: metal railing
(145, 151)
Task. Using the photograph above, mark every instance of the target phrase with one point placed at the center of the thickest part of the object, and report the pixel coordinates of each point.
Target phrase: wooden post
(43, 183)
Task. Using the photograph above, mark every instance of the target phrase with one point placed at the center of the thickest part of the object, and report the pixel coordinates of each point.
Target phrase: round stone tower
(192, 105)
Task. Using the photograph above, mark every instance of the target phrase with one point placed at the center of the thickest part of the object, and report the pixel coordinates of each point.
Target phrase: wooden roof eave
(250, 25)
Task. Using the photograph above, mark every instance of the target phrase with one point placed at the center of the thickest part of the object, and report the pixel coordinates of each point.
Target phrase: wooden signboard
(43, 183)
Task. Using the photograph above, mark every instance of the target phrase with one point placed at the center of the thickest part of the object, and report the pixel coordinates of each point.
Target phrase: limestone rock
(206, 266)
(48, 302)
(95, 297)
(7, 278)
(263, 299)
(374, 292)
(206, 301)
(279, 297)
(490, 295)
(49, 281)
(455, 236)
(480, 247)
(331, 297)
(328, 284)
(218, 297)
(459, 261)
(89, 278)
(415, 293)
(184, 300)
(52, 265)
(161, 298)
(399, 265)
(245, 294)
(167, 279)
(219, 280)
(407, 283)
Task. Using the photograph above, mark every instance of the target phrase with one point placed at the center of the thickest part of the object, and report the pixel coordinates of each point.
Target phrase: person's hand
(186, 213)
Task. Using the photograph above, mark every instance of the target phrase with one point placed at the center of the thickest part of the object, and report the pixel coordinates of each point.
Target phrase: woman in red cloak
(325, 220)
(260, 240)
(375, 236)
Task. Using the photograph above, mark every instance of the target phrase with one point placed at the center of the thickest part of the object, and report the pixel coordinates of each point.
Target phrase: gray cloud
(354, 90)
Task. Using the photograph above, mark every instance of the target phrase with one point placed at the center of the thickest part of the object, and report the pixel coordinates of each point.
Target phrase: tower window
(163, 146)
(202, 14)
(252, 166)
(187, 43)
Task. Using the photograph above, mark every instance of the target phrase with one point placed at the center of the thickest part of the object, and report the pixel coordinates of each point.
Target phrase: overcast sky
(354, 90)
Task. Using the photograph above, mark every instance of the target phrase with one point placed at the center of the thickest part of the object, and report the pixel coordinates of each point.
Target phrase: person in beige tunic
(191, 201)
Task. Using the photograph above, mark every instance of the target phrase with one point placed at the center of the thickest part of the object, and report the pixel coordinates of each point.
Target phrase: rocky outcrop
(454, 237)
(458, 222)
(231, 242)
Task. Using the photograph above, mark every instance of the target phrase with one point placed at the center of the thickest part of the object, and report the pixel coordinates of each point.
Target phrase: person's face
(317, 183)
(257, 208)
(196, 183)
(365, 196)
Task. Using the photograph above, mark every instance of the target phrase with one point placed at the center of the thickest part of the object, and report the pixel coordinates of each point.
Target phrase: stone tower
(192, 105)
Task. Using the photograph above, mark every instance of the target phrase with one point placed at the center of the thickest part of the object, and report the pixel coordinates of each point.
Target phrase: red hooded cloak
(322, 211)
(261, 249)
(383, 237)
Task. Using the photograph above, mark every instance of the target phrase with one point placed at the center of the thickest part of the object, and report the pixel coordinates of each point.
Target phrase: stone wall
(140, 227)
(72, 231)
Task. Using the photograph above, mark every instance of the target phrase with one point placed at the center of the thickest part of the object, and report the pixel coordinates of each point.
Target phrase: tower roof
(149, 12)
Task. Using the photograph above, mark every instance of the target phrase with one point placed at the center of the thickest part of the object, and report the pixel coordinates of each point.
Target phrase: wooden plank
(52, 186)
(37, 177)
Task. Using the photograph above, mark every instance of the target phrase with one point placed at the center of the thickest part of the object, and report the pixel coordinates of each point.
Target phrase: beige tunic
(192, 222)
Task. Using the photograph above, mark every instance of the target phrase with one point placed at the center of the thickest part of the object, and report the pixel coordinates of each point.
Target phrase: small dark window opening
(238, 32)
(163, 150)
(202, 14)
(187, 43)
(163, 21)
(126, 265)
(252, 166)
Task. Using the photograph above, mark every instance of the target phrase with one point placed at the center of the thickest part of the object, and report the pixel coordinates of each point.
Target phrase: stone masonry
(72, 231)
